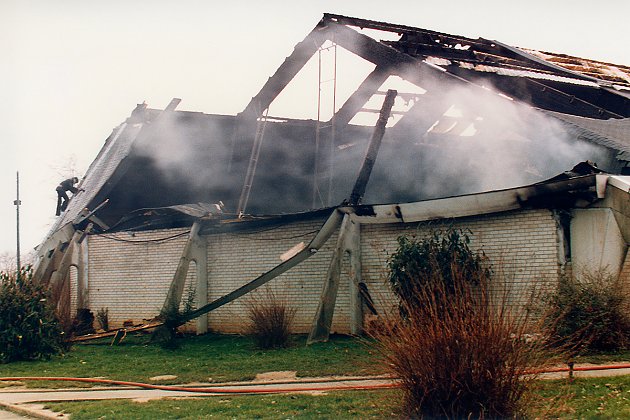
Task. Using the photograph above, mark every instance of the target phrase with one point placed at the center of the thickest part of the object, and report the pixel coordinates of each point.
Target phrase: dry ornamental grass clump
(458, 351)
(270, 320)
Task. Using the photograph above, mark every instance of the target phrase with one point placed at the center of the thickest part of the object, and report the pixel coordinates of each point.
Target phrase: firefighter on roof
(62, 196)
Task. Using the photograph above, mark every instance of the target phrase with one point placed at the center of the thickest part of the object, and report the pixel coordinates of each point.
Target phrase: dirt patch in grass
(278, 376)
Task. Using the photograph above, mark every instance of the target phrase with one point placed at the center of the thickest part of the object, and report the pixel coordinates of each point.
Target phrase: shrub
(440, 258)
(588, 314)
(458, 351)
(83, 323)
(270, 320)
(102, 316)
(29, 328)
(173, 317)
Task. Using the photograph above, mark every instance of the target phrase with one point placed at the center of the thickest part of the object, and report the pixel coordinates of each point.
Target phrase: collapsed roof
(482, 116)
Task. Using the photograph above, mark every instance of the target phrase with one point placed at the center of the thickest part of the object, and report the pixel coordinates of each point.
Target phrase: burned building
(476, 136)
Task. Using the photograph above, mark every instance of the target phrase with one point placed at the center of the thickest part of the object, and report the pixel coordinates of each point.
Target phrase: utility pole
(17, 203)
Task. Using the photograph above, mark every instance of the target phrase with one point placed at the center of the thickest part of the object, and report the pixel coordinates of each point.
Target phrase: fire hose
(208, 390)
(248, 389)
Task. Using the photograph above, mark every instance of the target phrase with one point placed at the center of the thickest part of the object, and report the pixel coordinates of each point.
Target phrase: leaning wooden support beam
(375, 143)
(50, 254)
(63, 258)
(176, 290)
(323, 318)
(348, 243)
(330, 226)
(322, 322)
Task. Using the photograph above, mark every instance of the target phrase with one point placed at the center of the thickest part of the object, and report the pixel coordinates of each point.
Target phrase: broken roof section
(472, 124)
(423, 57)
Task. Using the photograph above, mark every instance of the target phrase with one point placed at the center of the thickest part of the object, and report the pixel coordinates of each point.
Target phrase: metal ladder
(253, 162)
(317, 196)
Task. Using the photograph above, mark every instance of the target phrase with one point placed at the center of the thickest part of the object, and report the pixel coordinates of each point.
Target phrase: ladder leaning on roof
(253, 162)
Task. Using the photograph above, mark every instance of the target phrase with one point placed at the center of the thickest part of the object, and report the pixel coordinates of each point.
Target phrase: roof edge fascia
(467, 205)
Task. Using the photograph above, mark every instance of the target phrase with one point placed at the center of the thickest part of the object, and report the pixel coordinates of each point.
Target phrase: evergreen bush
(29, 328)
(443, 257)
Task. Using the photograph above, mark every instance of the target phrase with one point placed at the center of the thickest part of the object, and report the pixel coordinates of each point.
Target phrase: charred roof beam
(535, 61)
(540, 95)
(423, 113)
(394, 28)
(402, 65)
(357, 100)
(291, 66)
(332, 27)
(415, 49)
(433, 39)
(614, 103)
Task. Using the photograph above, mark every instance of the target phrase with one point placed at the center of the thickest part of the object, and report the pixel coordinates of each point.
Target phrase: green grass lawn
(347, 404)
(222, 358)
(604, 358)
(607, 398)
(204, 358)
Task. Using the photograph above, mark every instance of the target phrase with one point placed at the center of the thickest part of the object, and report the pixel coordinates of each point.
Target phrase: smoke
(189, 151)
(459, 140)
(204, 158)
(453, 140)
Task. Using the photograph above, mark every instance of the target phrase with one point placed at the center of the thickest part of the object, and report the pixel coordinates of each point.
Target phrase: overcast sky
(72, 70)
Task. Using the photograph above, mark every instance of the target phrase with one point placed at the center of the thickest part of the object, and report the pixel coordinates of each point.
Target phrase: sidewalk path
(7, 415)
(21, 400)
(28, 402)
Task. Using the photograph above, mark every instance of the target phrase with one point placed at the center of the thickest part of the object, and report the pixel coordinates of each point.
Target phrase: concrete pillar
(60, 269)
(596, 242)
(83, 300)
(353, 247)
(176, 290)
(200, 255)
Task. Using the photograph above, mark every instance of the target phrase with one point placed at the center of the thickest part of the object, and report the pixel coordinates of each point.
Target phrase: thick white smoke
(456, 139)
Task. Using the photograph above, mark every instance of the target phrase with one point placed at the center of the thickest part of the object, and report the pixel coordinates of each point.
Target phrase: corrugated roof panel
(612, 133)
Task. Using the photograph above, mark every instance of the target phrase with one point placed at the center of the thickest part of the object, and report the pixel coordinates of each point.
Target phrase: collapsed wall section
(131, 277)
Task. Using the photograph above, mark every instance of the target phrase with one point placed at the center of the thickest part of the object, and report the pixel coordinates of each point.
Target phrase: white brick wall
(237, 258)
(521, 246)
(132, 279)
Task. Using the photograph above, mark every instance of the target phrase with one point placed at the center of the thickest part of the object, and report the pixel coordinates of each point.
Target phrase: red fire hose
(264, 390)
(208, 390)
(581, 368)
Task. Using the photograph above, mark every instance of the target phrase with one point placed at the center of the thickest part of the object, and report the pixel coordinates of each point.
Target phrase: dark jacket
(68, 185)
